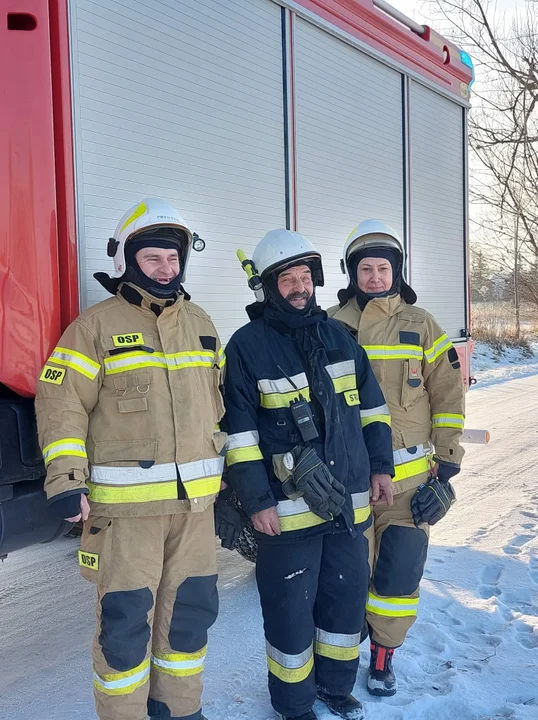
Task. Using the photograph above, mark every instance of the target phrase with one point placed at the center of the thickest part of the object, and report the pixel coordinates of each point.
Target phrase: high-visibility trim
(440, 346)
(361, 507)
(343, 375)
(448, 420)
(65, 446)
(179, 664)
(337, 646)
(140, 210)
(296, 515)
(391, 606)
(404, 455)
(243, 447)
(410, 469)
(221, 358)
(201, 477)
(172, 361)
(76, 361)
(111, 475)
(279, 393)
(133, 494)
(380, 413)
(393, 352)
(123, 683)
(290, 668)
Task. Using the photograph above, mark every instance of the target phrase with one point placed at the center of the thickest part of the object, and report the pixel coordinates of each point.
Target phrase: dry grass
(495, 324)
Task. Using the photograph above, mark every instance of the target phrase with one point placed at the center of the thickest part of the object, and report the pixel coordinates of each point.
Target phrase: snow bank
(489, 366)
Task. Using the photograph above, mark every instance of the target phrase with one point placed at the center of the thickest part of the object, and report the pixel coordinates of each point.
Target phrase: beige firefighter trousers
(156, 598)
(397, 557)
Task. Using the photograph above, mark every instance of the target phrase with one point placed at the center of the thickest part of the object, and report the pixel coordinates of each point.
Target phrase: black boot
(381, 678)
(346, 706)
(306, 716)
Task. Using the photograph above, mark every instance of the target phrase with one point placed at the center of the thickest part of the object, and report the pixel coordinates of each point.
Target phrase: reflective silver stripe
(122, 682)
(179, 359)
(379, 410)
(396, 604)
(76, 361)
(450, 420)
(107, 475)
(386, 352)
(438, 347)
(68, 447)
(243, 439)
(360, 500)
(339, 369)
(285, 508)
(404, 455)
(135, 360)
(282, 385)
(201, 469)
(178, 664)
(291, 662)
(338, 639)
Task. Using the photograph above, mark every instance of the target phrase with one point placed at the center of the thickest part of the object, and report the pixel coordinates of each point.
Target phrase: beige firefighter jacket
(418, 370)
(129, 403)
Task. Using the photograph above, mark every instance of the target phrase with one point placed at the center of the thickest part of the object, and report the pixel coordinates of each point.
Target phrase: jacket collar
(140, 298)
(350, 314)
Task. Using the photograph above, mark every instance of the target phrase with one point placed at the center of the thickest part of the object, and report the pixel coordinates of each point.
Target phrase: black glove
(323, 494)
(229, 519)
(432, 501)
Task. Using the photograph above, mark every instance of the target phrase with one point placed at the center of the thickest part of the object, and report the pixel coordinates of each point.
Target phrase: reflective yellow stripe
(290, 668)
(173, 361)
(76, 361)
(202, 487)
(344, 383)
(391, 606)
(440, 346)
(179, 664)
(133, 493)
(123, 683)
(300, 521)
(448, 420)
(336, 653)
(221, 358)
(393, 352)
(140, 210)
(64, 447)
(282, 400)
(375, 418)
(245, 454)
(410, 469)
(361, 514)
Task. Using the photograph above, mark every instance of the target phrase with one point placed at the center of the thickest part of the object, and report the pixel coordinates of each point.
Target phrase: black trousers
(313, 596)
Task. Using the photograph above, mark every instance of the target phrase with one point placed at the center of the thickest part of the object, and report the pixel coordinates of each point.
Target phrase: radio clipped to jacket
(302, 414)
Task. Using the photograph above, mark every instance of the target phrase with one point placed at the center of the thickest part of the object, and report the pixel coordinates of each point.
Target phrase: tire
(247, 545)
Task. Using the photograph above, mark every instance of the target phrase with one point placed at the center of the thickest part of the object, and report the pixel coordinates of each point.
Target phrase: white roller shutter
(349, 145)
(437, 207)
(180, 100)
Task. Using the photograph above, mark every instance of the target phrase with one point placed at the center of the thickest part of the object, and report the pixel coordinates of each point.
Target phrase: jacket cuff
(67, 504)
(446, 470)
(381, 468)
(262, 503)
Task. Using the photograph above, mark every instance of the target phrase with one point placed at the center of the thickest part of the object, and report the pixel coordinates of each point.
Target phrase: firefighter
(128, 407)
(308, 435)
(419, 373)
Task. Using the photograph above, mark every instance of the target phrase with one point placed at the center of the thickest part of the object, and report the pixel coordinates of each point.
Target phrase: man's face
(296, 286)
(374, 275)
(160, 264)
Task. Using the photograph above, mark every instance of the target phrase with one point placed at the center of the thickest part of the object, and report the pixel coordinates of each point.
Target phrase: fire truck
(246, 115)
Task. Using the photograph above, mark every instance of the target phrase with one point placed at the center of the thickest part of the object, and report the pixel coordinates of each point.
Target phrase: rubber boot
(346, 706)
(381, 678)
(305, 716)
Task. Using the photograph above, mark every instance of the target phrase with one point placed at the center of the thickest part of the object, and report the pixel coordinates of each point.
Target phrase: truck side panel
(29, 281)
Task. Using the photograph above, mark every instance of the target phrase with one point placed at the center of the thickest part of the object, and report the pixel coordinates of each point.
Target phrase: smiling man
(127, 425)
(309, 436)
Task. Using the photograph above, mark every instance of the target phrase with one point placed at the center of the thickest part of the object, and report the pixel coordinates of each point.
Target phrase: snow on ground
(489, 366)
(472, 655)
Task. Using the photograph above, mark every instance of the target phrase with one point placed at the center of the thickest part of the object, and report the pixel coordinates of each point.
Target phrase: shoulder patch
(54, 375)
(208, 342)
(409, 338)
(133, 338)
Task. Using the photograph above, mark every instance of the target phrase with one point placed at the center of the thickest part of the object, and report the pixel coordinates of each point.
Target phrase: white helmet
(371, 233)
(148, 214)
(281, 247)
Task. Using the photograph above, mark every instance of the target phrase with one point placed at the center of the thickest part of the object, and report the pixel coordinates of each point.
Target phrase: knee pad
(401, 560)
(195, 610)
(125, 631)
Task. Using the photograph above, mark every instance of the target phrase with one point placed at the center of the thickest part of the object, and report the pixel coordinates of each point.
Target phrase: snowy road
(472, 655)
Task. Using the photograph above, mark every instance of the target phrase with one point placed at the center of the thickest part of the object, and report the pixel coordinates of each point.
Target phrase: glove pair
(433, 499)
(230, 519)
(311, 478)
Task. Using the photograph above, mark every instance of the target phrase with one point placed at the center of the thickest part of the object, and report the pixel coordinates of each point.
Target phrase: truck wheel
(247, 545)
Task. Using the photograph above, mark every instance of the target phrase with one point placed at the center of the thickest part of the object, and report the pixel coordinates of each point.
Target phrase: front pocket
(412, 382)
(133, 405)
(124, 451)
(95, 549)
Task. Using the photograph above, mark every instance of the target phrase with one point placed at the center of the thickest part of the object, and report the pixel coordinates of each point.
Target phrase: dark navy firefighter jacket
(333, 373)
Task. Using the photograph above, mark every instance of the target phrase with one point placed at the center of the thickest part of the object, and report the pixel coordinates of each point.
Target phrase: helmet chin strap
(134, 274)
